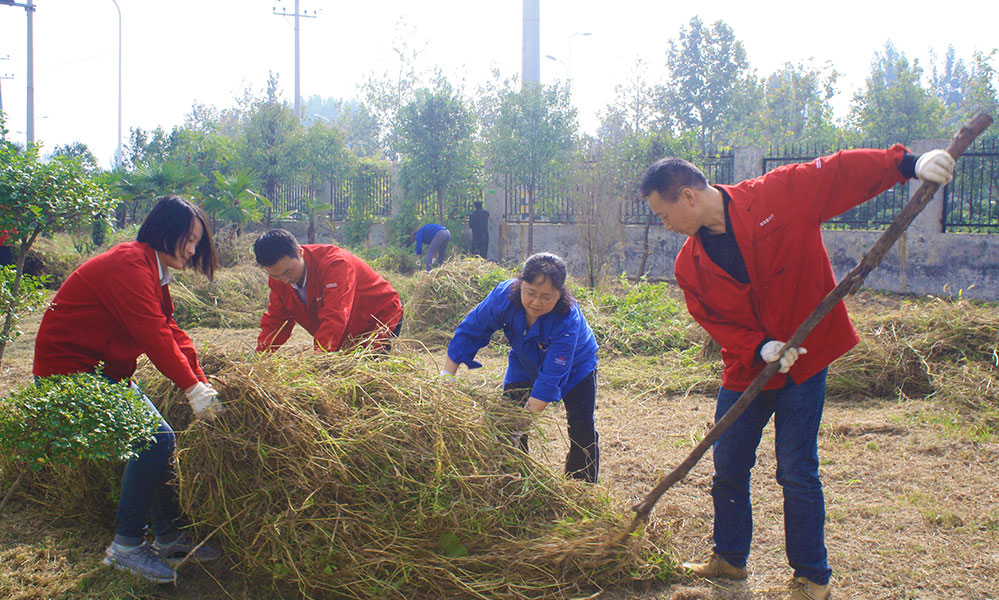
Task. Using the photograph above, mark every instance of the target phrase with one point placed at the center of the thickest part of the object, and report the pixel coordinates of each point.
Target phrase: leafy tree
(358, 125)
(41, 198)
(894, 103)
(80, 150)
(318, 154)
(709, 71)
(270, 126)
(385, 94)
(149, 181)
(533, 140)
(964, 89)
(797, 104)
(634, 109)
(434, 133)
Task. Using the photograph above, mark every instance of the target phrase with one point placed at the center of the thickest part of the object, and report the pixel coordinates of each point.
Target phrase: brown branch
(848, 285)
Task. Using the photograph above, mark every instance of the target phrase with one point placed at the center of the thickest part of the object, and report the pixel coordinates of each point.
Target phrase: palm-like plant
(154, 179)
(233, 200)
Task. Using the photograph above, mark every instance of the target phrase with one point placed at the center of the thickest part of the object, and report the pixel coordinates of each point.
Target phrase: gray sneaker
(181, 548)
(141, 560)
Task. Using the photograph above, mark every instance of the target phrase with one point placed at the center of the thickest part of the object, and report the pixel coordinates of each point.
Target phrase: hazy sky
(179, 52)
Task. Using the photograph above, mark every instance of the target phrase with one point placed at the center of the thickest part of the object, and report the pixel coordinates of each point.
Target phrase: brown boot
(716, 566)
(803, 588)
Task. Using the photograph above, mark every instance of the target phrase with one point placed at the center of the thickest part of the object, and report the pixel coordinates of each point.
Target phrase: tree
(358, 125)
(41, 198)
(149, 181)
(533, 140)
(80, 150)
(385, 94)
(634, 109)
(894, 103)
(434, 133)
(269, 127)
(598, 221)
(963, 89)
(709, 70)
(797, 104)
(234, 201)
(318, 154)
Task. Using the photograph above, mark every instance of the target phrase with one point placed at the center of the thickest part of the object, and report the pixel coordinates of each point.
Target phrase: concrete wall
(924, 261)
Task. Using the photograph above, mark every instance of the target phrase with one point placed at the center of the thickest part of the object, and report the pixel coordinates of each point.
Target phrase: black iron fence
(877, 213)
(717, 167)
(553, 200)
(456, 205)
(368, 194)
(971, 201)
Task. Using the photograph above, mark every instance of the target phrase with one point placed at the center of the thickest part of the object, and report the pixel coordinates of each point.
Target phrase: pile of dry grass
(921, 348)
(361, 476)
(441, 298)
(236, 299)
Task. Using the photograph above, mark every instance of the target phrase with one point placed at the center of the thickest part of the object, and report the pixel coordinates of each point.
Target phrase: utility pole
(29, 8)
(118, 154)
(2, 77)
(298, 88)
(531, 48)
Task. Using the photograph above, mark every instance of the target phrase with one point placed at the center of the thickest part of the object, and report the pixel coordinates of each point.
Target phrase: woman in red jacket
(110, 310)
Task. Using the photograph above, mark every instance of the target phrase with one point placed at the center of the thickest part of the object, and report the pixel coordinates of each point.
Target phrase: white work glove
(770, 352)
(203, 400)
(936, 166)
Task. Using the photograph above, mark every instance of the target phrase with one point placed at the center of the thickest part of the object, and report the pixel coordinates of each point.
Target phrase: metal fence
(552, 201)
(458, 205)
(717, 167)
(876, 213)
(369, 194)
(971, 201)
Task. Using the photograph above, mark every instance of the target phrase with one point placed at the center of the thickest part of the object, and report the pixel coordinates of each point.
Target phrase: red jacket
(112, 309)
(776, 221)
(345, 299)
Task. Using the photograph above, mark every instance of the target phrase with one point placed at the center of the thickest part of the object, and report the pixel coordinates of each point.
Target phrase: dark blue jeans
(583, 460)
(797, 412)
(148, 489)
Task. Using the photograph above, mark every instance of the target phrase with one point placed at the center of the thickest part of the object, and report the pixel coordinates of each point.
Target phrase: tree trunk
(530, 218)
(8, 322)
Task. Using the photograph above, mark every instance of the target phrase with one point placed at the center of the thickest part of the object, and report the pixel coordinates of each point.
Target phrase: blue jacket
(425, 234)
(556, 353)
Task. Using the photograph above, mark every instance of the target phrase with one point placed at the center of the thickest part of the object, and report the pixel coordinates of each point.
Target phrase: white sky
(179, 52)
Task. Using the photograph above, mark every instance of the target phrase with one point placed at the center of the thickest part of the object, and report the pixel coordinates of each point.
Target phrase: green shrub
(66, 418)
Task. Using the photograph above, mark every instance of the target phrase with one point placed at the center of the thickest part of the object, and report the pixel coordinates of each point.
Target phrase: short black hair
(274, 245)
(170, 222)
(550, 267)
(477, 205)
(668, 176)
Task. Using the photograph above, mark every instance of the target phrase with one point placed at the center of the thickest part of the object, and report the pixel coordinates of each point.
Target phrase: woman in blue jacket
(553, 354)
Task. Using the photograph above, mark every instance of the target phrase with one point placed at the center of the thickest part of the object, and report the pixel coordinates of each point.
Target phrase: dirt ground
(912, 499)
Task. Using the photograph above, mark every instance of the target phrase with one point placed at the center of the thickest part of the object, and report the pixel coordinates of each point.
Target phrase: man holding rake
(752, 269)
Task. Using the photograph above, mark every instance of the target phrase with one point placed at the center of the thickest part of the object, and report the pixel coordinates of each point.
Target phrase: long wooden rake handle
(848, 285)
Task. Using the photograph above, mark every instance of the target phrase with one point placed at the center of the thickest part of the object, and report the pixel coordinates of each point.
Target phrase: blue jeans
(147, 489)
(797, 412)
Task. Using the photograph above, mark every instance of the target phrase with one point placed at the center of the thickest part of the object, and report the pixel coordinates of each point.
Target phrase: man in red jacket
(752, 269)
(337, 297)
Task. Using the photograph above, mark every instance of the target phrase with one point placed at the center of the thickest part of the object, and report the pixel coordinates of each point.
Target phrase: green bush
(31, 295)
(66, 418)
(640, 318)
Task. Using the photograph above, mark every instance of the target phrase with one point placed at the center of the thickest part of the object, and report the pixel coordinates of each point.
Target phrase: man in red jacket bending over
(752, 269)
(334, 295)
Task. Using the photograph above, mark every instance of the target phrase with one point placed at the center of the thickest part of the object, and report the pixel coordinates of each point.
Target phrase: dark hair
(170, 222)
(550, 267)
(668, 176)
(274, 245)
(477, 205)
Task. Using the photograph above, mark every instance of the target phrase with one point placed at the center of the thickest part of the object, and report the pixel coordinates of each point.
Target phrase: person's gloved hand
(204, 401)
(936, 166)
(770, 352)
